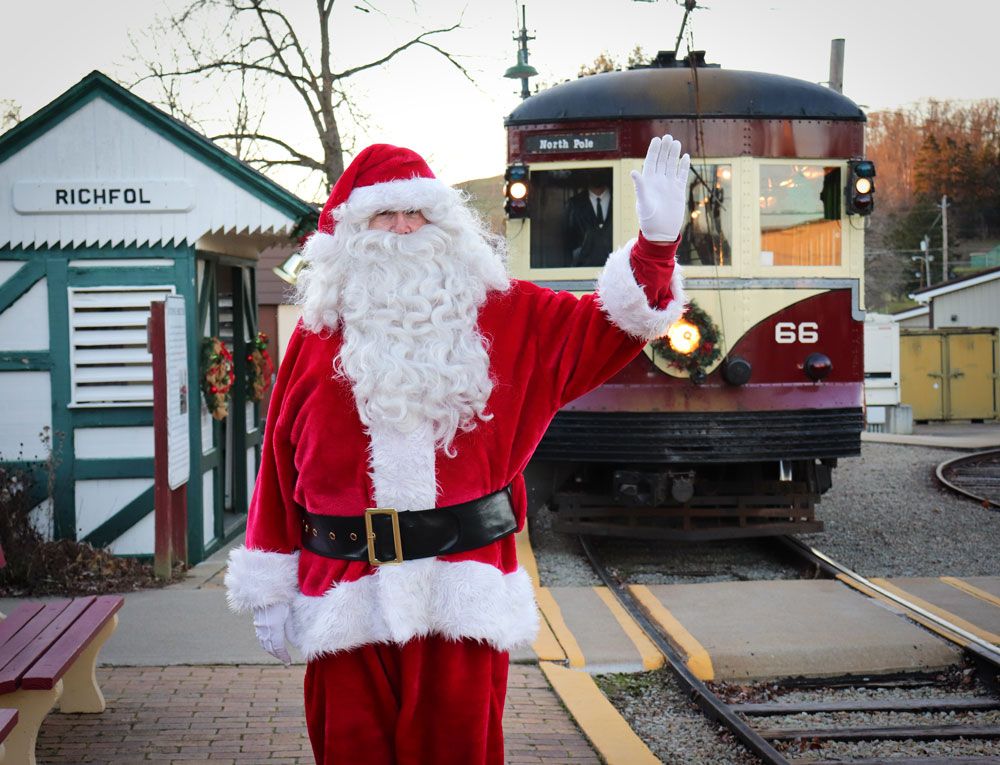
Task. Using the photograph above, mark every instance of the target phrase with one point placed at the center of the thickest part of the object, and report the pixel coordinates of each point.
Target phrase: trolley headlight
(860, 191)
(817, 366)
(515, 190)
(736, 370)
(684, 337)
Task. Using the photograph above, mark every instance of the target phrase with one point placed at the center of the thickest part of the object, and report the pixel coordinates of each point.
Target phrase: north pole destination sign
(134, 195)
(571, 142)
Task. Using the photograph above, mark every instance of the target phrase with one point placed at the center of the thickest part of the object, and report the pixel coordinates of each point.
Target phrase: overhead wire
(711, 224)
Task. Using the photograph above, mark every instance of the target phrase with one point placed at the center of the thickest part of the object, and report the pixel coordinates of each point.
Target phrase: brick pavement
(252, 715)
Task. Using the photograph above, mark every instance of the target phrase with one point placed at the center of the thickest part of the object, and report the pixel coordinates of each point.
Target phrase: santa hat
(383, 177)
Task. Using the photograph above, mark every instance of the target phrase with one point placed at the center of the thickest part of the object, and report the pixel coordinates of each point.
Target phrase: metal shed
(106, 204)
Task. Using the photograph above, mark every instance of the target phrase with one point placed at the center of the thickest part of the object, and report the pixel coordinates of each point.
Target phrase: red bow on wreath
(217, 376)
(259, 368)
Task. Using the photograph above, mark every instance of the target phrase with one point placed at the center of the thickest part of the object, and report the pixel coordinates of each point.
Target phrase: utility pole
(944, 238)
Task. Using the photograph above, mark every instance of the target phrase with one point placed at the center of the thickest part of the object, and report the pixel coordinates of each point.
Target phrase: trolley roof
(671, 92)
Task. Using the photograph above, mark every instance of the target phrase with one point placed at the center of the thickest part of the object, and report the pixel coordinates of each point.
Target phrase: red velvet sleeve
(581, 342)
(653, 266)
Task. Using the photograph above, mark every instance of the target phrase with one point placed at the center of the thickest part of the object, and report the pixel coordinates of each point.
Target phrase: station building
(106, 204)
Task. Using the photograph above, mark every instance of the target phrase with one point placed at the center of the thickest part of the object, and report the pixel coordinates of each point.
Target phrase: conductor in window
(588, 222)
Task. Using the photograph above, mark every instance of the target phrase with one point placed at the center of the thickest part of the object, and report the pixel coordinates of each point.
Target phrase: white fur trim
(318, 247)
(625, 302)
(402, 467)
(400, 602)
(256, 578)
(423, 194)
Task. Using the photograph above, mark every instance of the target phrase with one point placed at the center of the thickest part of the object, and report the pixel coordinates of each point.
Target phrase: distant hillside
(487, 198)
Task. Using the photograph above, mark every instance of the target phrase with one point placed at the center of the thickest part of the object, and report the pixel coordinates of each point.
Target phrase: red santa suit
(396, 652)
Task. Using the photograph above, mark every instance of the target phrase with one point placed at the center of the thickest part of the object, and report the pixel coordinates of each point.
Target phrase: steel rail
(939, 472)
(983, 649)
(712, 706)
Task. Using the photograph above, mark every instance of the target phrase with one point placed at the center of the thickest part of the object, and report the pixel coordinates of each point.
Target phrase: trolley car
(744, 442)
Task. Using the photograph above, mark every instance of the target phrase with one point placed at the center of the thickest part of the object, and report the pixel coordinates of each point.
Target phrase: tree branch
(418, 40)
(302, 159)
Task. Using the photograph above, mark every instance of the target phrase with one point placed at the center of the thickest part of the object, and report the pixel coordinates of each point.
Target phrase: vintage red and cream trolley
(733, 424)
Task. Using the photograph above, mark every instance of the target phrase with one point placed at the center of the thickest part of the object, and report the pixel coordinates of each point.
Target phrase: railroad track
(749, 722)
(974, 475)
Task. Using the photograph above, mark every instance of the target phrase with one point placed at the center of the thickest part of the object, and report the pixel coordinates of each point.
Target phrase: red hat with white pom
(381, 178)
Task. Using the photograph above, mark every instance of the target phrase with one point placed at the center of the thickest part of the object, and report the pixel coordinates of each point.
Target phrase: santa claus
(409, 400)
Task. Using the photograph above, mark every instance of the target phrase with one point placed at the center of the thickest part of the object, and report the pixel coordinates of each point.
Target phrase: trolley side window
(708, 230)
(571, 221)
(800, 212)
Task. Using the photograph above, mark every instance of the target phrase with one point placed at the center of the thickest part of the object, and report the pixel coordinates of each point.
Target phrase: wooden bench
(48, 654)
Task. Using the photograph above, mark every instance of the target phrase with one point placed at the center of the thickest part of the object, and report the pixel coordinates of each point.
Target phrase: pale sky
(897, 52)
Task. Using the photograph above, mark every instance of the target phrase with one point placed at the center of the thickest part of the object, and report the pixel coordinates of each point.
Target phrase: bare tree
(248, 47)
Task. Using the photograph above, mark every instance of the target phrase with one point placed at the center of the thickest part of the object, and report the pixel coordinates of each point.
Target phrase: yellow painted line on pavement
(932, 626)
(600, 722)
(958, 621)
(698, 659)
(525, 555)
(546, 647)
(651, 656)
(553, 614)
(971, 589)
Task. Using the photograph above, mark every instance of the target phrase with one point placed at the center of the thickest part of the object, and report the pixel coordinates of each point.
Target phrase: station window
(571, 221)
(800, 211)
(707, 234)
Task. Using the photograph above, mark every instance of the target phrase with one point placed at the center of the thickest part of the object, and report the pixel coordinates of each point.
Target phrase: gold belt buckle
(370, 534)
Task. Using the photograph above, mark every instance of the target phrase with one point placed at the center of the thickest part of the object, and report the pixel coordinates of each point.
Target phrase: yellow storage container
(949, 374)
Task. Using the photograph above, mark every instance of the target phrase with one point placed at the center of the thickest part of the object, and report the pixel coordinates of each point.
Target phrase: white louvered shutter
(109, 361)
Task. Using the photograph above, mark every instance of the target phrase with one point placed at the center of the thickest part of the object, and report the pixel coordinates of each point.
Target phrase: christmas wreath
(217, 376)
(259, 368)
(707, 350)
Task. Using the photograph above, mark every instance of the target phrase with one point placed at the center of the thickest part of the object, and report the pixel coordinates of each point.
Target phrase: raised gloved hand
(272, 623)
(660, 190)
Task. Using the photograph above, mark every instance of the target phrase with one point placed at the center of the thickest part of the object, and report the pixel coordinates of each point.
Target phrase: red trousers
(431, 701)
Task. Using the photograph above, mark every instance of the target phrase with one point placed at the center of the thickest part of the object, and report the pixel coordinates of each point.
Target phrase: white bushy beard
(408, 307)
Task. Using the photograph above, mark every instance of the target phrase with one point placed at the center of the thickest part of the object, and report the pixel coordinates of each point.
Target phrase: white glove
(660, 190)
(272, 623)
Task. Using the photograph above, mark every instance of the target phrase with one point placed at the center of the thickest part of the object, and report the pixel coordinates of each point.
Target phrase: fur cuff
(398, 603)
(624, 300)
(256, 578)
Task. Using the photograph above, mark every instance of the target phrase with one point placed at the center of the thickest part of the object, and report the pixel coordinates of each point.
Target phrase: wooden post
(169, 504)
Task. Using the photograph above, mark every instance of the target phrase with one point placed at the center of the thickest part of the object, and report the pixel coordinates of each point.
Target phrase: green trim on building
(113, 468)
(22, 280)
(57, 273)
(25, 361)
(97, 85)
(122, 521)
(104, 417)
(186, 278)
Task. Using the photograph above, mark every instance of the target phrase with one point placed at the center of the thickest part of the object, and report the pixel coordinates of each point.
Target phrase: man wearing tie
(588, 223)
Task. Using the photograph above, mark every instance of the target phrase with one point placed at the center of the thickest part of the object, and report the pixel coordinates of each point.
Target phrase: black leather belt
(382, 535)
